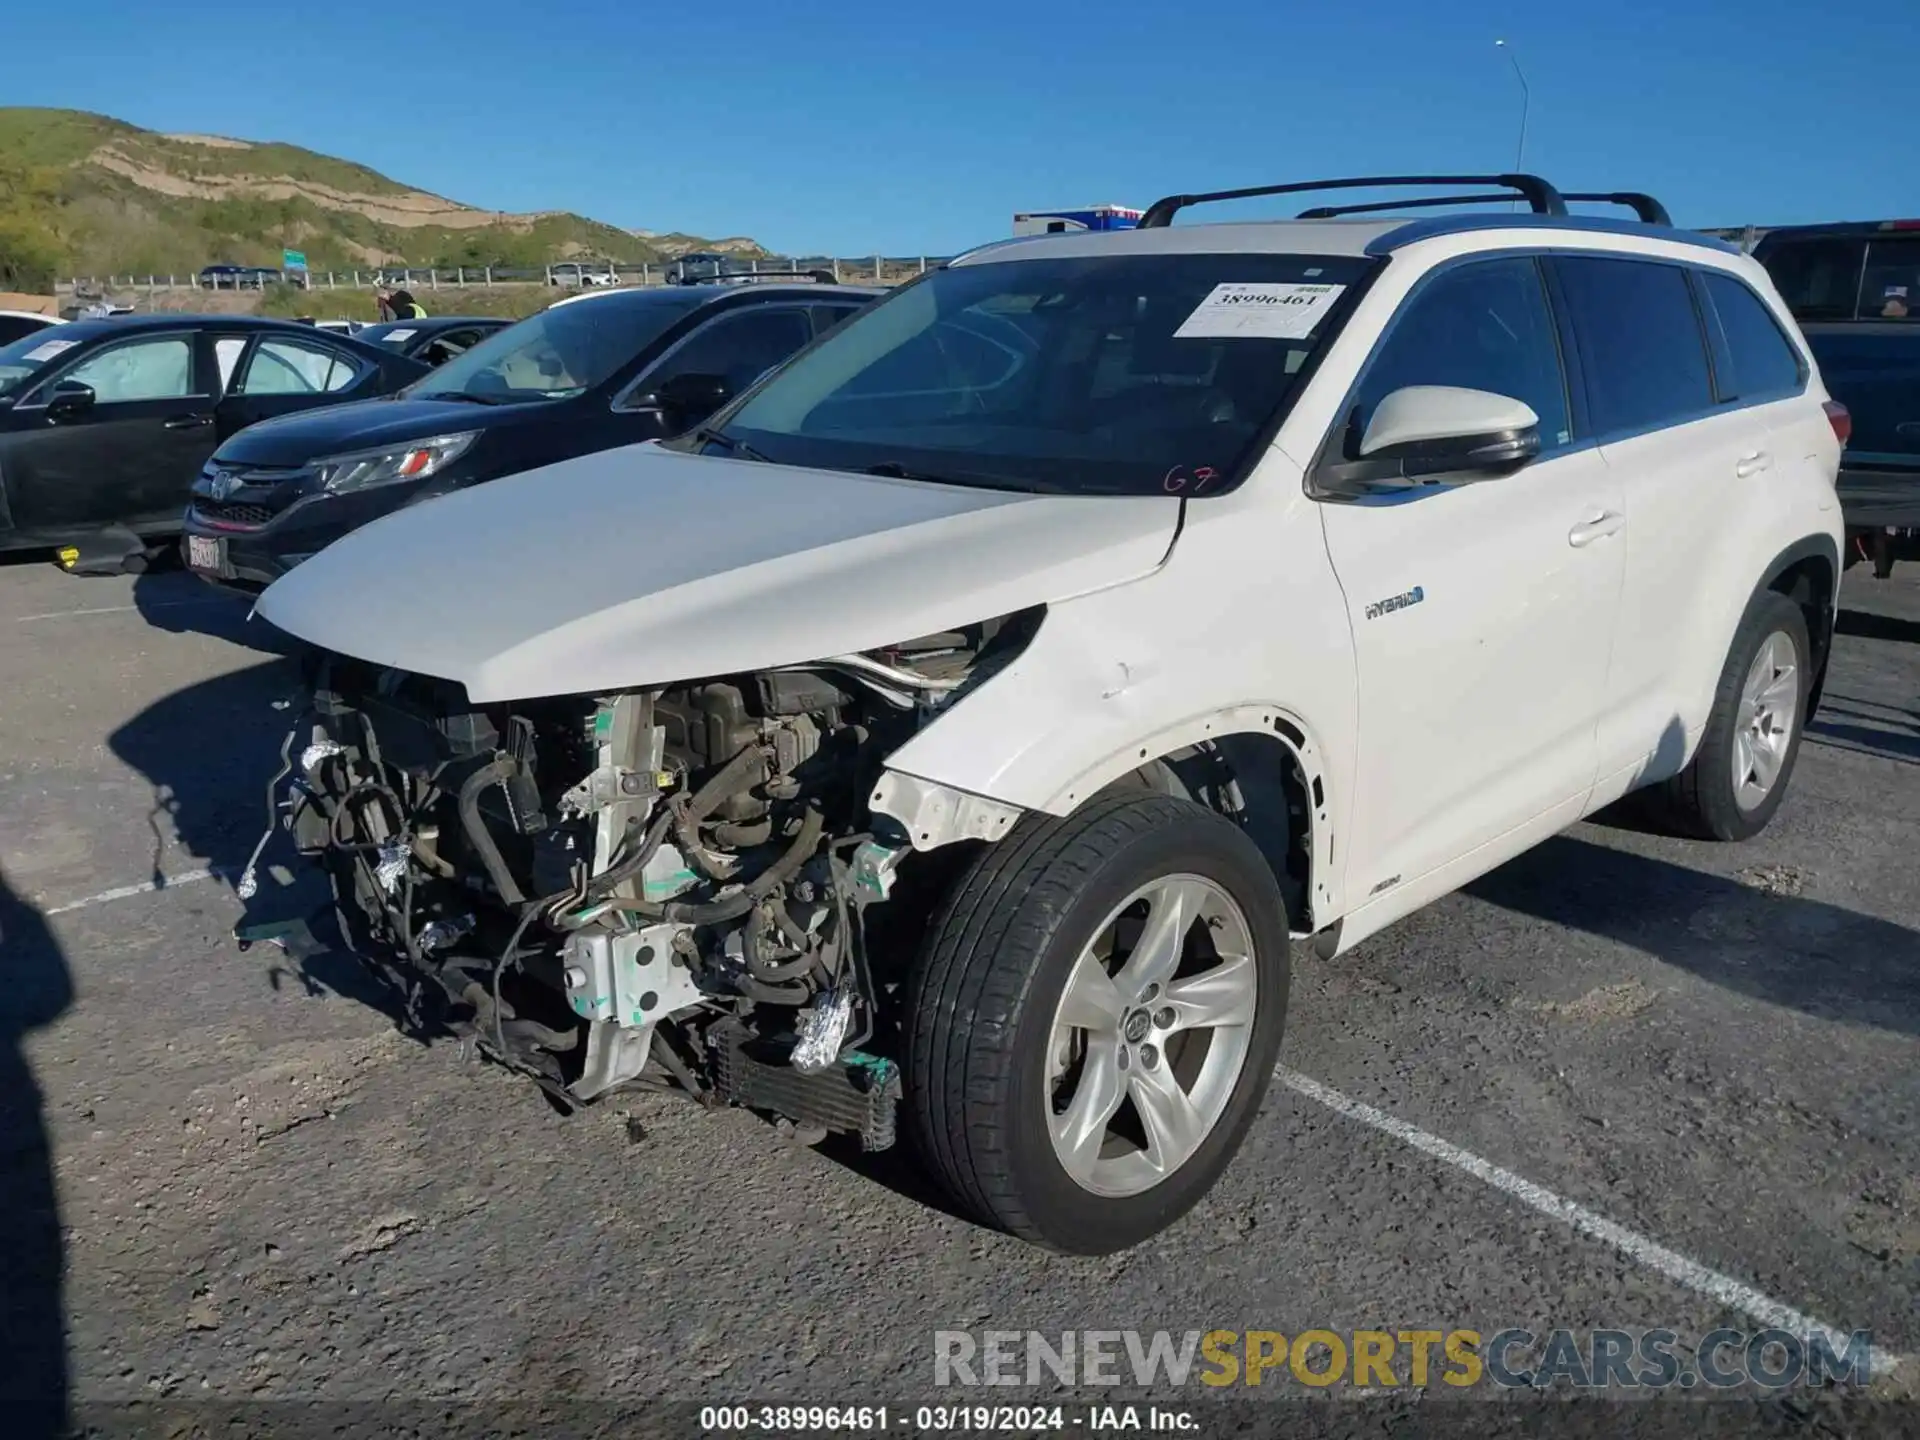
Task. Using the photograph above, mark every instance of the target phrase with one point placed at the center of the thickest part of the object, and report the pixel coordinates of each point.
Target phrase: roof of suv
(690, 296)
(1358, 238)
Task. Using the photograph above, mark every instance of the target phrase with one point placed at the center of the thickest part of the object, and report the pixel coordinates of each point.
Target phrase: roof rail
(1425, 202)
(1541, 197)
(1650, 210)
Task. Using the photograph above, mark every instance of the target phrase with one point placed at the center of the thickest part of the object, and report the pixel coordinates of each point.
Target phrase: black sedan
(435, 339)
(105, 423)
(599, 370)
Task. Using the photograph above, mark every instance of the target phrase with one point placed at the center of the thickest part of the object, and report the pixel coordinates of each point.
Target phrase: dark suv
(602, 369)
(1855, 289)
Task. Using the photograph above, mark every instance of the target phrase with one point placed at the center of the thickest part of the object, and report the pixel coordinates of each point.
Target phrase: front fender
(1241, 615)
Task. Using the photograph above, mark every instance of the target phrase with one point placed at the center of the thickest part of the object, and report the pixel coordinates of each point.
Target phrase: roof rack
(1541, 197)
(1650, 210)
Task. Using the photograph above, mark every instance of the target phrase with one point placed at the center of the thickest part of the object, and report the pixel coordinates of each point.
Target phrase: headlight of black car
(407, 460)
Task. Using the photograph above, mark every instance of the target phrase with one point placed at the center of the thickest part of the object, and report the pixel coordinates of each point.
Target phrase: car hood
(646, 566)
(359, 425)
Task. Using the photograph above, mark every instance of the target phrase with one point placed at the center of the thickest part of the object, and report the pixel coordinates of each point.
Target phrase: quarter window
(1641, 346)
(1482, 326)
(1761, 360)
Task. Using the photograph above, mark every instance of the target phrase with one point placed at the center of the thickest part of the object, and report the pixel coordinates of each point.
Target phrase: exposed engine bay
(667, 888)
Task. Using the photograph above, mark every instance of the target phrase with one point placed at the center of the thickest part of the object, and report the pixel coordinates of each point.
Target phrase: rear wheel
(1738, 776)
(1095, 1019)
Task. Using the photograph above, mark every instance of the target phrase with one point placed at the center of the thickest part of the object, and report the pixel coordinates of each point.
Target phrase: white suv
(967, 716)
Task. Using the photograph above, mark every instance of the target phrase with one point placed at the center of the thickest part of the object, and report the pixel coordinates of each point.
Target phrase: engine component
(628, 979)
(648, 887)
(858, 1095)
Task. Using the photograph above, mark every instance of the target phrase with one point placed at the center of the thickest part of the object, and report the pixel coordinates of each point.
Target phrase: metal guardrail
(862, 270)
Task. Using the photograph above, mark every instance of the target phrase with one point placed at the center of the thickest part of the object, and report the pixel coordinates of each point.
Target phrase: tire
(987, 1036)
(1703, 800)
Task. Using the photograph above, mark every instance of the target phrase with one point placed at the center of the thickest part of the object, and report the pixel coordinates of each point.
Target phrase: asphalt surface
(266, 1191)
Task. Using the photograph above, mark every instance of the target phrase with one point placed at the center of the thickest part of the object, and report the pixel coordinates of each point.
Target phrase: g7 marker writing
(1179, 478)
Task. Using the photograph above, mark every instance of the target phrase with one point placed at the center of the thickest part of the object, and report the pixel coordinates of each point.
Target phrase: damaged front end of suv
(670, 887)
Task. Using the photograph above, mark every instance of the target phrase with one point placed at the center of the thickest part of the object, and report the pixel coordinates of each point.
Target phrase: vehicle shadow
(172, 599)
(1864, 625)
(1807, 955)
(35, 988)
(1866, 728)
(208, 753)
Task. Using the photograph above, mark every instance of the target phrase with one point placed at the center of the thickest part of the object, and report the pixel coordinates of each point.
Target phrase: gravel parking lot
(265, 1190)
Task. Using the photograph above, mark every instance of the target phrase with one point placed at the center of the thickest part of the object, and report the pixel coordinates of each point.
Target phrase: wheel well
(1259, 782)
(1809, 582)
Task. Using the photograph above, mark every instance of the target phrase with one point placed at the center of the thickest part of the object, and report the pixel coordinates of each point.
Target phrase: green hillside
(89, 195)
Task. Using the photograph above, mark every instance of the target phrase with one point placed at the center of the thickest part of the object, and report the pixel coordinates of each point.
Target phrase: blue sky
(817, 130)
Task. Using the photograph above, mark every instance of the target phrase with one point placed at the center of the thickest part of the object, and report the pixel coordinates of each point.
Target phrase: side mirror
(70, 400)
(1437, 434)
(686, 400)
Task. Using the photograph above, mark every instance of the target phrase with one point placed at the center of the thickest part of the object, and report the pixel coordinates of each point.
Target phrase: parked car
(960, 722)
(17, 323)
(578, 275)
(237, 277)
(699, 267)
(435, 339)
(105, 423)
(1855, 289)
(604, 369)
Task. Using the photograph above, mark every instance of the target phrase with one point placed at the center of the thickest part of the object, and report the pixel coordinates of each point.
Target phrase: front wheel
(1738, 776)
(1095, 1018)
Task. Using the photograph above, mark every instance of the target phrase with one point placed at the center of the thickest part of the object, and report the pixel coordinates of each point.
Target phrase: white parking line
(1636, 1247)
(165, 882)
(122, 609)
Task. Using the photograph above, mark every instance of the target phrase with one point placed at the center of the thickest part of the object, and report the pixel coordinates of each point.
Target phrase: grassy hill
(87, 194)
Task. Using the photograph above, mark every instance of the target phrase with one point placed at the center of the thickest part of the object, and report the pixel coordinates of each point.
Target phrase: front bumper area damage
(682, 888)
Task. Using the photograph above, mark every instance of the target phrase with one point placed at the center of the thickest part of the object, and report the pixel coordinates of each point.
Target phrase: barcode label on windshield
(1264, 312)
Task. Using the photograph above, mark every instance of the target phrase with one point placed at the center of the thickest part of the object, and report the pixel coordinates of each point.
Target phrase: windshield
(557, 354)
(30, 354)
(1119, 374)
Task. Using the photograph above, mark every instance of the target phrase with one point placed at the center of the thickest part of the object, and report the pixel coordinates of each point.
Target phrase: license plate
(206, 552)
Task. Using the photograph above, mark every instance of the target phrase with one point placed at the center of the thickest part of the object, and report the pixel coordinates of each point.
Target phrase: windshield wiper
(891, 470)
(460, 395)
(707, 435)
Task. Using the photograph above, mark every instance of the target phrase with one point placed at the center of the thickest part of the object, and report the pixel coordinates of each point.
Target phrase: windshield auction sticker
(1259, 312)
(50, 349)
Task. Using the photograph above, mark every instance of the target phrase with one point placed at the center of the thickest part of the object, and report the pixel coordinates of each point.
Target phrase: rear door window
(1818, 278)
(288, 367)
(1760, 360)
(1641, 347)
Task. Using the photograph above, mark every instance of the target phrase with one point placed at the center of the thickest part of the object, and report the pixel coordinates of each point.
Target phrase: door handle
(1752, 464)
(187, 422)
(1595, 527)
